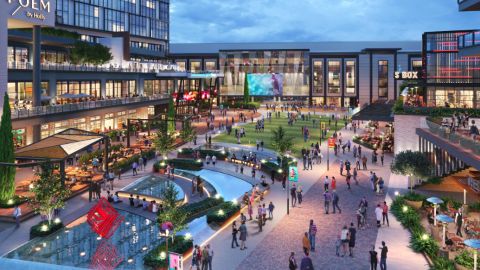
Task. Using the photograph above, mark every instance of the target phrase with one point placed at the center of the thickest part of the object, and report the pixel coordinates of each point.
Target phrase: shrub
(455, 204)
(475, 205)
(435, 180)
(464, 259)
(130, 160)
(428, 245)
(195, 208)
(38, 229)
(443, 263)
(228, 208)
(180, 245)
(190, 164)
(415, 197)
(239, 104)
(50, 31)
(16, 200)
(218, 154)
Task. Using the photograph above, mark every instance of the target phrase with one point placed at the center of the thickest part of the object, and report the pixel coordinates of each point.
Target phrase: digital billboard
(265, 84)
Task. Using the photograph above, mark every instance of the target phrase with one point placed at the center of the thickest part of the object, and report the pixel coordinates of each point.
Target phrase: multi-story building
(333, 73)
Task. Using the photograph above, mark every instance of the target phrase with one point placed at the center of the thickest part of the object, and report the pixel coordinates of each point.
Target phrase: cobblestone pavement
(274, 250)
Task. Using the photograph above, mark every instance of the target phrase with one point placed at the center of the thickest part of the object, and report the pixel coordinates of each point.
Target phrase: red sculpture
(106, 257)
(103, 219)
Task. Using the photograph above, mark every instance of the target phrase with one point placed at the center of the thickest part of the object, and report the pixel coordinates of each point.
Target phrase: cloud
(231, 21)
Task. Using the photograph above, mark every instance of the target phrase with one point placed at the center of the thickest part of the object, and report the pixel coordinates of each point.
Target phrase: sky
(228, 21)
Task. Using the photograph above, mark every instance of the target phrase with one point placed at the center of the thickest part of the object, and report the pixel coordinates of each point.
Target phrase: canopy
(82, 95)
(66, 96)
(444, 218)
(473, 243)
(42, 97)
(434, 200)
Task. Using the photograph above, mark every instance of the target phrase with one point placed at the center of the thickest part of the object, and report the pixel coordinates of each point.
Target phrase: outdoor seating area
(377, 136)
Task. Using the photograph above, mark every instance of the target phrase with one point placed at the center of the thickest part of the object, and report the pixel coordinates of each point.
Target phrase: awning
(375, 112)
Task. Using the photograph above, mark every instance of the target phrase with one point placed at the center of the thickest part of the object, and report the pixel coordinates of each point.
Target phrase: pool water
(152, 186)
(229, 187)
(237, 151)
(64, 248)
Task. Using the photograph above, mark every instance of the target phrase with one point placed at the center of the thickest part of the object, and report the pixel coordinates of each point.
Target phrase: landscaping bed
(223, 213)
(181, 245)
(187, 153)
(15, 200)
(160, 166)
(198, 207)
(40, 231)
(126, 164)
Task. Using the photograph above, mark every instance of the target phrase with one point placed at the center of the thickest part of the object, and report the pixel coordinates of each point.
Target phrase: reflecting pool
(152, 186)
(239, 152)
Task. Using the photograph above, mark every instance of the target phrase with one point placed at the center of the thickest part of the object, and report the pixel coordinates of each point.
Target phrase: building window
(382, 79)
(210, 65)
(138, 25)
(120, 88)
(157, 29)
(152, 87)
(147, 8)
(195, 66)
(164, 9)
(181, 65)
(24, 90)
(333, 76)
(151, 110)
(350, 77)
(114, 21)
(317, 77)
(86, 16)
(77, 87)
(62, 12)
(61, 126)
(89, 38)
(417, 65)
(17, 54)
(95, 123)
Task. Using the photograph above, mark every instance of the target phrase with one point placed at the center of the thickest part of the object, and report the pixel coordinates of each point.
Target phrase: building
(333, 73)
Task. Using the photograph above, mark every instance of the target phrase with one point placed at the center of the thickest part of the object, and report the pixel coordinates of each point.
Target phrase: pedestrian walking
(382, 157)
(299, 196)
(334, 183)
(344, 238)
(234, 234)
(272, 175)
(292, 264)
(312, 232)
(145, 160)
(243, 235)
(380, 186)
(385, 213)
(306, 263)
(250, 208)
(271, 207)
(284, 180)
(348, 179)
(338, 245)
(458, 222)
(111, 177)
(336, 198)
(347, 166)
(134, 166)
(355, 175)
(16, 215)
(214, 160)
(205, 256)
(140, 163)
(328, 198)
(261, 143)
(364, 160)
(383, 257)
(210, 257)
(373, 255)
(326, 182)
(351, 242)
(341, 167)
(259, 217)
(293, 193)
(306, 244)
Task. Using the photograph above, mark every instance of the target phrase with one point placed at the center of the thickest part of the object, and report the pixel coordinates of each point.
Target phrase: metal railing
(53, 109)
(469, 39)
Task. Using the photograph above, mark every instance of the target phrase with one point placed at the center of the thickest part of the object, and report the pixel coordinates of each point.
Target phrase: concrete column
(103, 87)
(36, 78)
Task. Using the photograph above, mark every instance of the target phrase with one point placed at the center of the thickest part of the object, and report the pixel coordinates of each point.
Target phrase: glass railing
(458, 136)
(87, 105)
(469, 39)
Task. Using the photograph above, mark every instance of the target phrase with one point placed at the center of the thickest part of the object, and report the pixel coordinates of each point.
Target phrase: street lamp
(288, 189)
(166, 234)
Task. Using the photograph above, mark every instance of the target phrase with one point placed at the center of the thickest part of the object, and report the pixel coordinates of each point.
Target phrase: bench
(250, 164)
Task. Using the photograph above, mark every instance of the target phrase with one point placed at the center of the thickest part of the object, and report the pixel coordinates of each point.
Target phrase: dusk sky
(206, 21)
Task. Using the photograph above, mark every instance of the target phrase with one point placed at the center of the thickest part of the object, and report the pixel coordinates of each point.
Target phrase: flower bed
(195, 208)
(178, 163)
(40, 230)
(181, 245)
(222, 213)
(369, 142)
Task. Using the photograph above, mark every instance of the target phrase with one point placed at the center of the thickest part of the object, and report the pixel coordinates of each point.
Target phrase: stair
(452, 173)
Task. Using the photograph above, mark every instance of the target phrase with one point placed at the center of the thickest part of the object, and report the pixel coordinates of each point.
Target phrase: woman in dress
(250, 209)
(334, 183)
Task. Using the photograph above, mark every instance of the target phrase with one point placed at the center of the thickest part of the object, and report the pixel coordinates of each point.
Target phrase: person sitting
(259, 191)
(109, 197)
(116, 198)
(468, 229)
(155, 207)
(448, 242)
(150, 206)
(245, 198)
(136, 202)
(264, 183)
(74, 179)
(144, 203)
(131, 199)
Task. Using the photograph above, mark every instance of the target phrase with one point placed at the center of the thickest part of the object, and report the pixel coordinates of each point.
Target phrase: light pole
(288, 189)
(166, 234)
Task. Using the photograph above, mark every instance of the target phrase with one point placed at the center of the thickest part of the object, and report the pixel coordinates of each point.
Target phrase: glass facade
(382, 79)
(151, 87)
(350, 77)
(77, 87)
(457, 97)
(121, 88)
(17, 54)
(333, 76)
(317, 77)
(24, 90)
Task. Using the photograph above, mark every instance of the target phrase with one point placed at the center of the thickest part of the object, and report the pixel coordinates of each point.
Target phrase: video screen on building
(265, 84)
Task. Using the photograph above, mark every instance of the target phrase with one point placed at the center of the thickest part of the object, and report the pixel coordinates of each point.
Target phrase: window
(95, 123)
(318, 77)
(151, 87)
(86, 16)
(195, 66)
(157, 29)
(114, 21)
(17, 54)
(24, 90)
(89, 38)
(417, 65)
(138, 25)
(120, 88)
(147, 8)
(350, 77)
(62, 12)
(333, 76)
(45, 131)
(181, 65)
(61, 126)
(210, 65)
(77, 87)
(151, 110)
(382, 79)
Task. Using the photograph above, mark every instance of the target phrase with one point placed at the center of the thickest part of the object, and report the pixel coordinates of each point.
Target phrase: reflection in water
(152, 185)
(106, 257)
(239, 152)
(65, 248)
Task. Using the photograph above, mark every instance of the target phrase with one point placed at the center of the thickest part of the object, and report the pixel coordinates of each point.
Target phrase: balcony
(81, 106)
(469, 44)
(468, 5)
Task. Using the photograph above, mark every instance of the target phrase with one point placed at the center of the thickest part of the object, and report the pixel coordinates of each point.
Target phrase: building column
(103, 87)
(36, 78)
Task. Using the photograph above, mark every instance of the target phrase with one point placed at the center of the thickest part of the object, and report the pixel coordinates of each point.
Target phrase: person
(382, 157)
(344, 238)
(136, 202)
(144, 204)
(364, 160)
(131, 199)
(140, 163)
(299, 196)
(214, 160)
(306, 244)
(259, 217)
(293, 193)
(328, 198)
(347, 166)
(134, 166)
(272, 175)
(338, 245)
(469, 230)
(385, 213)
(250, 208)
(111, 177)
(306, 263)
(261, 143)
(334, 183)
(172, 171)
(74, 179)
(207, 158)
(336, 198)
(351, 243)
(155, 207)
(195, 258)
(326, 182)
(264, 214)
(341, 167)
(116, 198)
(109, 197)
(459, 221)
(284, 180)
(373, 258)
(205, 256)
(270, 210)
(380, 186)
(383, 257)
(193, 186)
(292, 264)
(95, 163)
(355, 175)
(243, 235)
(234, 234)
(312, 232)
(16, 215)
(150, 206)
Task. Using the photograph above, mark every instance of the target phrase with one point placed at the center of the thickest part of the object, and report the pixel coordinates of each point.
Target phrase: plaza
(128, 144)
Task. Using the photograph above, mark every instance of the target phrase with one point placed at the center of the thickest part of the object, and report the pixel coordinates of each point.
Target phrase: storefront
(109, 121)
(335, 101)
(45, 131)
(132, 114)
(80, 123)
(19, 137)
(61, 126)
(121, 119)
(96, 123)
(456, 97)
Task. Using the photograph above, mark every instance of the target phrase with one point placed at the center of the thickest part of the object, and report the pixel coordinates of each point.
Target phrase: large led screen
(265, 84)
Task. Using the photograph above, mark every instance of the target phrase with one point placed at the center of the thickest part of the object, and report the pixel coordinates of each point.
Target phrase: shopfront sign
(175, 261)
(331, 142)
(202, 75)
(31, 11)
(407, 75)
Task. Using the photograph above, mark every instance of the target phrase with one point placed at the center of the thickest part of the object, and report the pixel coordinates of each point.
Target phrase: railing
(53, 109)
(469, 39)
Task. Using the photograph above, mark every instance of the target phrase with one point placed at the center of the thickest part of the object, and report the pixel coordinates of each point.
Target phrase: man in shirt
(364, 160)
(312, 231)
(351, 243)
(385, 213)
(336, 198)
(372, 180)
(210, 256)
(327, 181)
(205, 256)
(378, 214)
(16, 214)
(328, 198)
(245, 198)
(347, 166)
(293, 193)
(383, 257)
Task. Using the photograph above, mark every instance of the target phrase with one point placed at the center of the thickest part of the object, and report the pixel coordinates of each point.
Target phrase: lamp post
(166, 234)
(288, 189)
(435, 201)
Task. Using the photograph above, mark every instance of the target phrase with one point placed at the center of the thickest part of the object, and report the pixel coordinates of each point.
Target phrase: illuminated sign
(406, 75)
(35, 5)
(293, 174)
(189, 96)
(205, 94)
(331, 142)
(201, 75)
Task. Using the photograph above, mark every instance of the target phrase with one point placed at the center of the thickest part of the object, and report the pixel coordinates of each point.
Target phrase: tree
(7, 173)
(100, 54)
(83, 52)
(281, 143)
(171, 114)
(188, 132)
(48, 190)
(246, 93)
(173, 213)
(164, 141)
(414, 164)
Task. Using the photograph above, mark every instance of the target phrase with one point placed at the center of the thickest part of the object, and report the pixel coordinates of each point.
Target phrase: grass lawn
(295, 131)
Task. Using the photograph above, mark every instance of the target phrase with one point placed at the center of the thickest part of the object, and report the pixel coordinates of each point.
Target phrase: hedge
(239, 104)
(134, 158)
(186, 151)
(180, 246)
(16, 200)
(54, 32)
(229, 209)
(38, 231)
(195, 208)
(162, 164)
(100, 152)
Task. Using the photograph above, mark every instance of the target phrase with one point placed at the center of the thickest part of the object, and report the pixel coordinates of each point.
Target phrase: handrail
(459, 136)
(53, 109)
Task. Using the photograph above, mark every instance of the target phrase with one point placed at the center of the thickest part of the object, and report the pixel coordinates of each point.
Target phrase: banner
(350, 110)
(331, 142)
(292, 174)
(322, 126)
(175, 261)
(221, 106)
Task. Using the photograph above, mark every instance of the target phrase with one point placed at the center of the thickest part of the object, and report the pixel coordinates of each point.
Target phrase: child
(338, 245)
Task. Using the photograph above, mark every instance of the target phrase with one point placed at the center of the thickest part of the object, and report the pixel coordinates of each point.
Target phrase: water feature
(152, 186)
(239, 152)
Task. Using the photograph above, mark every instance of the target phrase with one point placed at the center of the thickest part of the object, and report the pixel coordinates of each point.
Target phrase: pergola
(59, 147)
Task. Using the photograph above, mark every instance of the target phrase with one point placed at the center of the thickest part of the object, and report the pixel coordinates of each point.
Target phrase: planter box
(189, 251)
(415, 205)
(158, 170)
(459, 267)
(230, 219)
(35, 236)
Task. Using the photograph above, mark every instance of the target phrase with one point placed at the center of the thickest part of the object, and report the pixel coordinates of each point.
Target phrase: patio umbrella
(166, 226)
(435, 201)
(475, 244)
(42, 98)
(66, 95)
(82, 95)
(445, 219)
